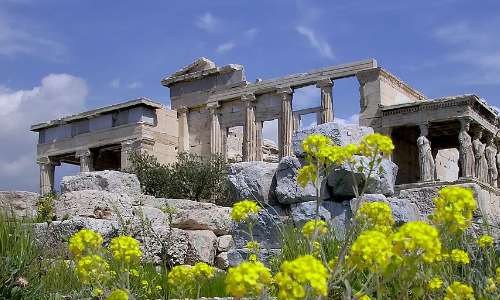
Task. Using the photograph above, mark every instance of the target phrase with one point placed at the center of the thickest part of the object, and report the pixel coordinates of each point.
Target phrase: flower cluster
(373, 144)
(307, 174)
(243, 209)
(435, 283)
(371, 250)
(458, 290)
(85, 242)
(247, 279)
(125, 249)
(454, 208)
(202, 270)
(416, 239)
(296, 276)
(460, 256)
(92, 269)
(315, 145)
(376, 215)
(485, 241)
(180, 275)
(312, 227)
(118, 294)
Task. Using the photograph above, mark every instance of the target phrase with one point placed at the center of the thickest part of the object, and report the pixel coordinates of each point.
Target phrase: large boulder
(340, 134)
(202, 246)
(192, 215)
(94, 204)
(109, 181)
(402, 209)
(21, 204)
(305, 211)
(251, 180)
(381, 181)
(237, 256)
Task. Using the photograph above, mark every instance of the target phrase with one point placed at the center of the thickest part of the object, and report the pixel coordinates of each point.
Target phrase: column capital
(248, 97)
(45, 160)
(284, 90)
(182, 109)
(324, 83)
(83, 153)
(213, 106)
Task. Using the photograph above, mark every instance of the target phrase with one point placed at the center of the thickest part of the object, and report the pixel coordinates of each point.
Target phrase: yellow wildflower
(85, 242)
(253, 246)
(485, 241)
(307, 174)
(180, 276)
(312, 226)
(454, 208)
(118, 294)
(361, 296)
(202, 270)
(435, 283)
(333, 262)
(97, 292)
(242, 210)
(460, 256)
(498, 275)
(490, 285)
(417, 239)
(92, 269)
(376, 215)
(125, 249)
(247, 279)
(459, 291)
(314, 144)
(295, 276)
(375, 143)
(371, 250)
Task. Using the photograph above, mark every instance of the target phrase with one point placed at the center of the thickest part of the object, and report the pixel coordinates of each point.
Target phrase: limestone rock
(285, 187)
(171, 244)
(94, 204)
(251, 180)
(266, 230)
(221, 261)
(149, 216)
(403, 210)
(224, 243)
(109, 181)
(341, 216)
(356, 203)
(340, 134)
(305, 211)
(192, 215)
(22, 204)
(202, 246)
(382, 180)
(237, 256)
(270, 151)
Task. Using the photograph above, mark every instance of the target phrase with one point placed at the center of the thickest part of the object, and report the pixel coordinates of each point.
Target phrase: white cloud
(306, 97)
(270, 130)
(475, 45)
(225, 47)
(58, 95)
(115, 83)
(207, 22)
(353, 119)
(135, 85)
(316, 41)
(251, 33)
(17, 40)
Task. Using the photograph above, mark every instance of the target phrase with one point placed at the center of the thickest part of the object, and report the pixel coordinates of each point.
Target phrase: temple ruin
(208, 100)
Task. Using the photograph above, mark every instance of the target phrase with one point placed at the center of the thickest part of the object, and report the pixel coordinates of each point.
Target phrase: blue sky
(64, 56)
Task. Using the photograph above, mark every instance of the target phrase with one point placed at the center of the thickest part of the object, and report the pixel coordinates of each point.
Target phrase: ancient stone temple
(450, 139)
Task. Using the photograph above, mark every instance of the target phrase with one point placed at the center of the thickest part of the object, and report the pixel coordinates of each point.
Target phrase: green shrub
(190, 177)
(45, 208)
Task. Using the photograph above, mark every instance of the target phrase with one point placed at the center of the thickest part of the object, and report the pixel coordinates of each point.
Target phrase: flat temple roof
(96, 112)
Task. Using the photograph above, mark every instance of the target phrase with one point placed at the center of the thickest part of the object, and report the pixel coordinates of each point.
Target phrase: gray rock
(266, 229)
(94, 204)
(150, 216)
(170, 244)
(305, 211)
(382, 180)
(202, 246)
(251, 180)
(192, 215)
(224, 243)
(285, 186)
(403, 210)
(237, 256)
(355, 203)
(341, 216)
(222, 261)
(21, 204)
(340, 134)
(109, 181)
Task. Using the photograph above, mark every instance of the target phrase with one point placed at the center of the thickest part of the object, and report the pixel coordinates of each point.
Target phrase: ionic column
(249, 135)
(182, 115)
(286, 122)
(296, 122)
(258, 143)
(47, 168)
(327, 114)
(86, 163)
(215, 130)
(128, 147)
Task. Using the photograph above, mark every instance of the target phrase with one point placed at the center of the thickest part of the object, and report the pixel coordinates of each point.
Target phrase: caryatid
(466, 153)
(425, 158)
(480, 158)
(491, 158)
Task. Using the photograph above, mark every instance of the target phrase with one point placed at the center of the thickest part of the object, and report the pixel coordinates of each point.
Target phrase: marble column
(249, 129)
(215, 129)
(47, 169)
(258, 141)
(327, 110)
(296, 122)
(86, 163)
(128, 147)
(182, 115)
(286, 122)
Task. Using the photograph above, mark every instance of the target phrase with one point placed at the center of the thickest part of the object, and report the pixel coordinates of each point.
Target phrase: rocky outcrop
(340, 134)
(109, 181)
(21, 204)
(402, 209)
(270, 151)
(251, 180)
